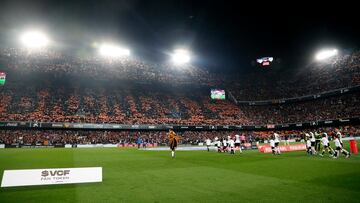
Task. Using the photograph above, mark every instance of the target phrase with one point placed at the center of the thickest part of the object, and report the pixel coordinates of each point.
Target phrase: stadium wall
(118, 127)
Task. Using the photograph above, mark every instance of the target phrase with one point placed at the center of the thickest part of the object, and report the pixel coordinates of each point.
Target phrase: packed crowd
(345, 106)
(141, 104)
(134, 105)
(53, 137)
(47, 86)
(261, 84)
(57, 64)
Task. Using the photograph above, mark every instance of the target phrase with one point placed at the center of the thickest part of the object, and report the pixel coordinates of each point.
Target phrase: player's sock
(346, 153)
(313, 150)
(172, 154)
(277, 150)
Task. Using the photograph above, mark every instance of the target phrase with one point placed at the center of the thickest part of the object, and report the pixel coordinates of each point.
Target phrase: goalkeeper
(173, 142)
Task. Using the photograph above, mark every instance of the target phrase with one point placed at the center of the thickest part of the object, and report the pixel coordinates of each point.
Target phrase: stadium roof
(222, 35)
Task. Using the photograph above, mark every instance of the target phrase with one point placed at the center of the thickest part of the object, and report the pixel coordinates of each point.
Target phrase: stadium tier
(51, 87)
(342, 71)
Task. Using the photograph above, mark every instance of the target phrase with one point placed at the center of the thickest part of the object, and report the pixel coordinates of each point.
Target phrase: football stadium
(176, 101)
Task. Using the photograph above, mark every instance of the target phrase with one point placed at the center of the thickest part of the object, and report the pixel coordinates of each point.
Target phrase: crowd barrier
(283, 148)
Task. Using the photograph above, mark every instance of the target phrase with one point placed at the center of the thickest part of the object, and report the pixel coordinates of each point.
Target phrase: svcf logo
(55, 173)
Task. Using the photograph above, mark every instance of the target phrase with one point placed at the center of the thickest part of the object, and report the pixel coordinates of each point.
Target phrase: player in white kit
(231, 144)
(339, 149)
(313, 141)
(277, 142)
(225, 147)
(339, 135)
(272, 145)
(208, 143)
(326, 145)
(308, 147)
(217, 144)
(238, 143)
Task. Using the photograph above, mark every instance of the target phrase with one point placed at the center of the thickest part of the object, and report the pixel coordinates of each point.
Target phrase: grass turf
(130, 175)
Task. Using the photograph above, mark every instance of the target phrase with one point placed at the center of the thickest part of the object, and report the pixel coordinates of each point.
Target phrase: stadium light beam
(325, 54)
(34, 39)
(113, 51)
(181, 56)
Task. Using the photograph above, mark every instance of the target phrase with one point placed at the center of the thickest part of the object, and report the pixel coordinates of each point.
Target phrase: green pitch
(130, 175)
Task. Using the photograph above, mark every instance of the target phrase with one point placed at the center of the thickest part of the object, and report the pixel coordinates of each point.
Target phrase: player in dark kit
(173, 142)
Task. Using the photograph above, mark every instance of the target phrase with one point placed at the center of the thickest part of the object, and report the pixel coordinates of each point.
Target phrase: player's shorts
(173, 145)
(272, 148)
(243, 141)
(313, 144)
(276, 144)
(338, 148)
(224, 147)
(237, 144)
(326, 146)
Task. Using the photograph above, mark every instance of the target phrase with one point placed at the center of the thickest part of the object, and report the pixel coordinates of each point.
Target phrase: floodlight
(34, 39)
(181, 56)
(324, 54)
(113, 50)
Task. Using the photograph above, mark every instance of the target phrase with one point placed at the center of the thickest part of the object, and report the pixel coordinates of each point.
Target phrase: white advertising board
(51, 176)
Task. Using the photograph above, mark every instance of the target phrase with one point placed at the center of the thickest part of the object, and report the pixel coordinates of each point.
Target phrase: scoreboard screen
(2, 78)
(265, 61)
(217, 94)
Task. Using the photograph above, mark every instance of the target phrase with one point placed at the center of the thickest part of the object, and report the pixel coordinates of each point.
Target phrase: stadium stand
(144, 105)
(48, 86)
(342, 71)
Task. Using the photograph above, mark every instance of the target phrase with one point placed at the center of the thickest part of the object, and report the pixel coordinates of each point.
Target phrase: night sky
(223, 35)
